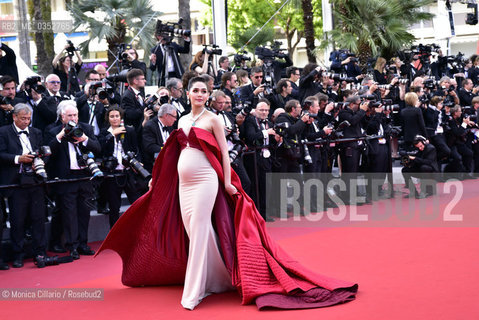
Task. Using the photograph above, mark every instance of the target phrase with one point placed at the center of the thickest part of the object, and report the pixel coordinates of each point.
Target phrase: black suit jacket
(465, 97)
(10, 147)
(129, 142)
(354, 130)
(84, 111)
(59, 163)
(413, 123)
(431, 120)
(152, 141)
(427, 157)
(133, 109)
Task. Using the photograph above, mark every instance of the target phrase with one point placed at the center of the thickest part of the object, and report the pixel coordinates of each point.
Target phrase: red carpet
(403, 273)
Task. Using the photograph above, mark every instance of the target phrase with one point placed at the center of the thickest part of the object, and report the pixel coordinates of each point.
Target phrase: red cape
(151, 240)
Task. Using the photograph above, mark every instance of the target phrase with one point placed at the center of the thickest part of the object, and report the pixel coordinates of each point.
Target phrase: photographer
(308, 83)
(90, 109)
(281, 96)
(271, 66)
(343, 61)
(7, 99)
(259, 132)
(289, 153)
(435, 121)
(155, 133)
(224, 66)
(116, 141)
(229, 83)
(175, 87)
(164, 56)
(18, 143)
(133, 100)
(412, 120)
(255, 90)
(424, 162)
(232, 133)
(447, 90)
(456, 139)
(68, 73)
(8, 63)
(70, 143)
(132, 58)
(467, 92)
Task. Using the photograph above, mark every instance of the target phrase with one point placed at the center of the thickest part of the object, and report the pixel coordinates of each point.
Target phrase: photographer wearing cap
(72, 144)
(19, 146)
(423, 162)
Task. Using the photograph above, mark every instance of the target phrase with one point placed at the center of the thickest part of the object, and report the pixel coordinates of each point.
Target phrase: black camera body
(72, 130)
(38, 165)
(129, 160)
(212, 49)
(5, 100)
(240, 57)
(281, 128)
(405, 160)
(71, 48)
(33, 83)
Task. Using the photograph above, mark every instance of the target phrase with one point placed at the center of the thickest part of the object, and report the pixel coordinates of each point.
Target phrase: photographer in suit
(116, 141)
(8, 99)
(133, 100)
(18, 165)
(167, 50)
(69, 150)
(259, 132)
(424, 162)
(90, 109)
(156, 132)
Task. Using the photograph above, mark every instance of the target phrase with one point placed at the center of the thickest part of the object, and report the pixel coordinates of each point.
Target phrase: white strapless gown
(206, 272)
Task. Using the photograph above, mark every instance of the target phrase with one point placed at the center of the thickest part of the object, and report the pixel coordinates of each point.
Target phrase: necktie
(24, 132)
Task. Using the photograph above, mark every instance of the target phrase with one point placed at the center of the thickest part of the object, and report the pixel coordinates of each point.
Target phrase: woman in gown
(197, 226)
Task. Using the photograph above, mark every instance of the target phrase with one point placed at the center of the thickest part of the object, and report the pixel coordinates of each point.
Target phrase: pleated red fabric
(151, 240)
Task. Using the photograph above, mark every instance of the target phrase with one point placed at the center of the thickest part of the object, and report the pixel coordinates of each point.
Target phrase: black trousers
(240, 170)
(27, 203)
(113, 187)
(416, 171)
(379, 167)
(443, 150)
(75, 205)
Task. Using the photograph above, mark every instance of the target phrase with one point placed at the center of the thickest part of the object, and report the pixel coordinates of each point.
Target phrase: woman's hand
(231, 189)
(119, 130)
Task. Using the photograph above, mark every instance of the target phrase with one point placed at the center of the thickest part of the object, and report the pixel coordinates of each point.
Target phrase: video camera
(269, 54)
(214, 49)
(240, 57)
(32, 82)
(170, 29)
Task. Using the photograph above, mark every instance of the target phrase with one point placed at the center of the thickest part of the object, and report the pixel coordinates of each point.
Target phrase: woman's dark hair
(195, 80)
(113, 107)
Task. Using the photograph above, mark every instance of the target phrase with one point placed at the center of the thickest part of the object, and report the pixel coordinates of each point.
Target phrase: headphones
(418, 138)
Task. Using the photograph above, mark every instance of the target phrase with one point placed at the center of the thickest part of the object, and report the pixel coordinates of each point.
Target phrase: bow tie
(264, 121)
(24, 132)
(165, 129)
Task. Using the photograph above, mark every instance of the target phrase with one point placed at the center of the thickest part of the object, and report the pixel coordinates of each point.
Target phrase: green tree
(247, 15)
(116, 21)
(373, 27)
(42, 10)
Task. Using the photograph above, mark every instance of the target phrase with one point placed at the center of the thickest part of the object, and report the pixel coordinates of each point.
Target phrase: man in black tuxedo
(424, 162)
(67, 162)
(17, 142)
(164, 59)
(90, 109)
(433, 119)
(229, 82)
(255, 90)
(156, 132)
(133, 100)
(467, 92)
(175, 87)
(259, 132)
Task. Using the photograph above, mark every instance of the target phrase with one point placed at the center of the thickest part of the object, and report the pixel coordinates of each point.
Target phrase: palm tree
(116, 21)
(41, 10)
(372, 27)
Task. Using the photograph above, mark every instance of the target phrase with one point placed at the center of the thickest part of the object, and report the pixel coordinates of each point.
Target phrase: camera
(118, 77)
(45, 261)
(339, 106)
(214, 49)
(129, 160)
(71, 48)
(240, 57)
(153, 99)
(170, 29)
(337, 132)
(339, 77)
(281, 128)
(235, 152)
(246, 108)
(268, 88)
(405, 160)
(38, 164)
(88, 160)
(430, 83)
(5, 100)
(96, 88)
(307, 155)
(33, 83)
(72, 130)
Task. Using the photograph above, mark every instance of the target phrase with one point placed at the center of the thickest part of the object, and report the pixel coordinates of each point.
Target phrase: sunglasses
(258, 77)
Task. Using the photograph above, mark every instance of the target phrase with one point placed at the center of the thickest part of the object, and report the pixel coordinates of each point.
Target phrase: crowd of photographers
(80, 143)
